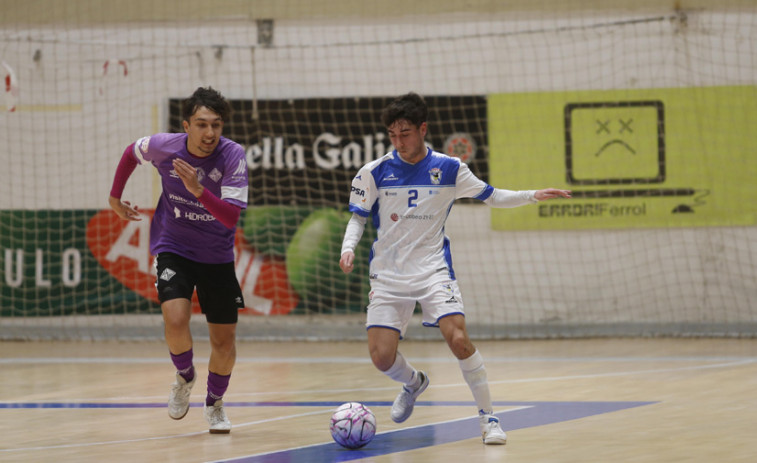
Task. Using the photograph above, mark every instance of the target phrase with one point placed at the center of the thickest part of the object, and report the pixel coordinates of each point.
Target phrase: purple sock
(217, 386)
(183, 364)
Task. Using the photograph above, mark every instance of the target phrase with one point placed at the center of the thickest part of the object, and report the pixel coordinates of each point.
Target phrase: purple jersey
(181, 224)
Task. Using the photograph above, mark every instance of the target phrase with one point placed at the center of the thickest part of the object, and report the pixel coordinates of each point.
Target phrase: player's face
(204, 132)
(408, 139)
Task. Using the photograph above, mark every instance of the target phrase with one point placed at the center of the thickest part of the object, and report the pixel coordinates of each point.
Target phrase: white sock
(474, 373)
(402, 372)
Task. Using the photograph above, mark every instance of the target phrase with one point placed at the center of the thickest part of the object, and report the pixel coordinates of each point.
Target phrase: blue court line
(537, 414)
(401, 440)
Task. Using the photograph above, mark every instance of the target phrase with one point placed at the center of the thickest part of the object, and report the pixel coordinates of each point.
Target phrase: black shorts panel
(217, 287)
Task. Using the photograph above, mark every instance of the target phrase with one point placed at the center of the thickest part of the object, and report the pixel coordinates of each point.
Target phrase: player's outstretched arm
(124, 209)
(551, 193)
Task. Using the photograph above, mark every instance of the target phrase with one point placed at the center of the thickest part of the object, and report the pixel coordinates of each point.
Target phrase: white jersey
(409, 205)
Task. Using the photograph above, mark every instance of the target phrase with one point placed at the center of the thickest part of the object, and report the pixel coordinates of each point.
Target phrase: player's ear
(423, 128)
(185, 124)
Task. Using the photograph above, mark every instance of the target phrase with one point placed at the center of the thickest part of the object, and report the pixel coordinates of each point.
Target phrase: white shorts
(392, 309)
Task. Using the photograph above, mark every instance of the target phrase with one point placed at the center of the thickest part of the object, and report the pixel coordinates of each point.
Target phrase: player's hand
(551, 193)
(347, 261)
(188, 176)
(124, 209)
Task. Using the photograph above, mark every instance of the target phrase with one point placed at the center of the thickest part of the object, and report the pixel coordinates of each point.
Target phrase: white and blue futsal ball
(353, 425)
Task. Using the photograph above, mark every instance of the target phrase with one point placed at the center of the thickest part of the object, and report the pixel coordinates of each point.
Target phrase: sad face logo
(615, 142)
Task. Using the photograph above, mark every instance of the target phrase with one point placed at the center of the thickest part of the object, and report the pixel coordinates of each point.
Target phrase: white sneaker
(216, 417)
(491, 432)
(405, 401)
(178, 400)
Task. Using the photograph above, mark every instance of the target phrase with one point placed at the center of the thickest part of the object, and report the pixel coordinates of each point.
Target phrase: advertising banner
(633, 158)
(306, 152)
(301, 154)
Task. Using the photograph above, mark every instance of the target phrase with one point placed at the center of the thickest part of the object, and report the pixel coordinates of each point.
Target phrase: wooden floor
(628, 400)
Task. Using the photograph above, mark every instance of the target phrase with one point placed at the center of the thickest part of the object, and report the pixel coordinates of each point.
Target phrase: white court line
(391, 388)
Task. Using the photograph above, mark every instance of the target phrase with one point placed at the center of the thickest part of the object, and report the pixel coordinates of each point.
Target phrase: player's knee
(382, 358)
(175, 326)
(224, 348)
(460, 345)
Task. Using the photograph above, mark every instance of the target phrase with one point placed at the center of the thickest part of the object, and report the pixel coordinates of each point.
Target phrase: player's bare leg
(382, 345)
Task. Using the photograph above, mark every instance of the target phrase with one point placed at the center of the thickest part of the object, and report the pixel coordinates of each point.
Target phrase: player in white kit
(408, 193)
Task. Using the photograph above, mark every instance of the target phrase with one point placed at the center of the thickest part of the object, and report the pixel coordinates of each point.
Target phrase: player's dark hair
(409, 106)
(208, 97)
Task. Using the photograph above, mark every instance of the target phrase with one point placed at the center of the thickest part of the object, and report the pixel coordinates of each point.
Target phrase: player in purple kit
(204, 180)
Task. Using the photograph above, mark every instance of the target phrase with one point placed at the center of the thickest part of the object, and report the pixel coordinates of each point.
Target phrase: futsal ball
(353, 425)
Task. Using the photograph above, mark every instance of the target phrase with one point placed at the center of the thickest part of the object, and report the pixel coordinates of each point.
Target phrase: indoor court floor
(596, 400)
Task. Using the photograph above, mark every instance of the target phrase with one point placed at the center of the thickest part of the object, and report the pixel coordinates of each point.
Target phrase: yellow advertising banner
(679, 157)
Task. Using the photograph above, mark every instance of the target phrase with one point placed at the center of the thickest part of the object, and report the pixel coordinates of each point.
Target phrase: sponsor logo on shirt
(215, 175)
(396, 217)
(183, 200)
(391, 177)
(195, 217)
(357, 191)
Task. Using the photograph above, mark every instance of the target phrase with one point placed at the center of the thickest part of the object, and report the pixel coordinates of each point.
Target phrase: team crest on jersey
(215, 174)
(436, 175)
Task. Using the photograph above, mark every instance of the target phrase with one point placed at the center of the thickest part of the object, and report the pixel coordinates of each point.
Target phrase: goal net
(645, 112)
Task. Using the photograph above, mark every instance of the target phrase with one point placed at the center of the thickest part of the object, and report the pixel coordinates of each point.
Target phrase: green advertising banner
(47, 268)
(633, 158)
(90, 262)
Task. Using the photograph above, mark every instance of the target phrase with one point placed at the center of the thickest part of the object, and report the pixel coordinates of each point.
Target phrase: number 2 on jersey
(413, 195)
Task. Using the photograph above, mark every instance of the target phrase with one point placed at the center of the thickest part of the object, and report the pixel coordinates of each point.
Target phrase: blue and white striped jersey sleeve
(468, 185)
